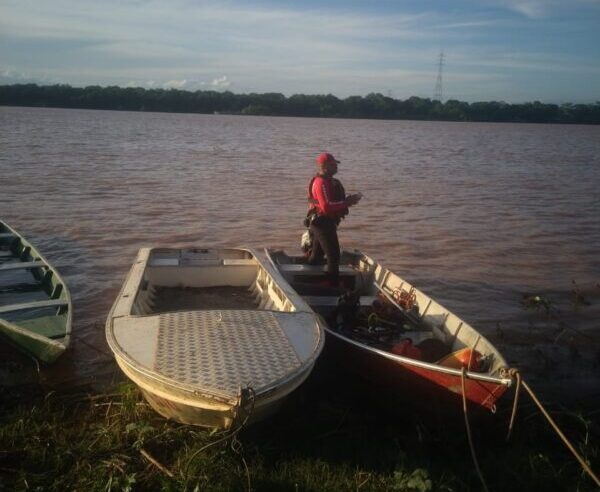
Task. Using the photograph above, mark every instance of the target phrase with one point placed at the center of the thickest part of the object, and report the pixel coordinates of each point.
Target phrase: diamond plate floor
(220, 351)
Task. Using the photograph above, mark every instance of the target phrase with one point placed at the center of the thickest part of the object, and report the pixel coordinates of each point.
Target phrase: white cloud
(194, 84)
(532, 9)
(175, 84)
(538, 9)
(135, 83)
(9, 75)
(221, 82)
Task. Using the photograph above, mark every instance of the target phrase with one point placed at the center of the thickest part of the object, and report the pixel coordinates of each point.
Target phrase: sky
(503, 50)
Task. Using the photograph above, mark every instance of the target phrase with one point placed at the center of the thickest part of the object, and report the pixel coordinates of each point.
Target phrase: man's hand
(353, 199)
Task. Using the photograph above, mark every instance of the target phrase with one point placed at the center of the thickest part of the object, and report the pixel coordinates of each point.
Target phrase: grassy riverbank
(321, 440)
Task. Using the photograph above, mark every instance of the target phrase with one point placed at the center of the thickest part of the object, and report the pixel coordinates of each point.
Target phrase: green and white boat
(35, 304)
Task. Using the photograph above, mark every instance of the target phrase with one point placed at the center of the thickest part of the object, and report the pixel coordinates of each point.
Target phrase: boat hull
(408, 381)
(224, 351)
(42, 348)
(437, 370)
(193, 408)
(35, 305)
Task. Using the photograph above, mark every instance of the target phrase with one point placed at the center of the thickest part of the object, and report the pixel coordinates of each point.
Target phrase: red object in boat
(467, 358)
(423, 381)
(406, 348)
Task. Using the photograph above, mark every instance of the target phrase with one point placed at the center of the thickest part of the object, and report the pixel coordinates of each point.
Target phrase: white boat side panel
(302, 331)
(138, 338)
(128, 294)
(312, 269)
(202, 276)
(239, 262)
(269, 275)
(439, 319)
(458, 331)
(221, 351)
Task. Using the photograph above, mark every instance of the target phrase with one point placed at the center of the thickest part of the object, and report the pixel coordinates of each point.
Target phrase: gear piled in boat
(383, 328)
(385, 325)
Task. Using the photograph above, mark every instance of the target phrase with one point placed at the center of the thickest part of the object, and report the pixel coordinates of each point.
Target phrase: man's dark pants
(325, 242)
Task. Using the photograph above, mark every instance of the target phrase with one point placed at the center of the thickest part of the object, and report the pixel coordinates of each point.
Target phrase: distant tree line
(375, 106)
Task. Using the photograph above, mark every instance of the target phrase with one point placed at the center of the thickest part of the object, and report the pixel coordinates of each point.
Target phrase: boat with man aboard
(381, 327)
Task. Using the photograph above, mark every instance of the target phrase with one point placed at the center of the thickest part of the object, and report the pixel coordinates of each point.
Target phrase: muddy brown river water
(476, 215)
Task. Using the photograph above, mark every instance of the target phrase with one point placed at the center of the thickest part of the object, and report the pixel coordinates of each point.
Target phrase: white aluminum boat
(212, 337)
(383, 328)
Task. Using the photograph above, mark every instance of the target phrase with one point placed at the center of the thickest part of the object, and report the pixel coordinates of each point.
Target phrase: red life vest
(330, 200)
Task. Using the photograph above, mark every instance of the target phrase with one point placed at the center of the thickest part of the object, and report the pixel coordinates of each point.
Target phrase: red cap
(326, 158)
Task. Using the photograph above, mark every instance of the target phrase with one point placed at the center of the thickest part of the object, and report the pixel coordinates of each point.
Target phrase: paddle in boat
(213, 337)
(382, 327)
(35, 304)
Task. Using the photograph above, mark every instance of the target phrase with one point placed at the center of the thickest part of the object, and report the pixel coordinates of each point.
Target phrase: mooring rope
(514, 373)
(517, 375)
(473, 455)
(230, 434)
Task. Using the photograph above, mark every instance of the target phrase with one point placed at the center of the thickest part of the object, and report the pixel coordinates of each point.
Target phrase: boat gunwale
(418, 363)
(298, 374)
(406, 360)
(64, 342)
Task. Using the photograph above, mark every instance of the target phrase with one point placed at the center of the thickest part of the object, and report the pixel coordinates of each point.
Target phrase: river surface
(476, 215)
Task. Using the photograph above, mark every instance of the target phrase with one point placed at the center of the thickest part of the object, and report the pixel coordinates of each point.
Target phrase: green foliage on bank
(323, 439)
(376, 106)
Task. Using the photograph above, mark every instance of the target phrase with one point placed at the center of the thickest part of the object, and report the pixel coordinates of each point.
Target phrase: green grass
(324, 438)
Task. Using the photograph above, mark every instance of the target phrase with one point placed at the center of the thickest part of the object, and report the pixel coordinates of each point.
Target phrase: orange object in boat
(406, 348)
(462, 358)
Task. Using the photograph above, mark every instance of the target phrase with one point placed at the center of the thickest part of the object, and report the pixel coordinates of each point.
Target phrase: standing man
(328, 204)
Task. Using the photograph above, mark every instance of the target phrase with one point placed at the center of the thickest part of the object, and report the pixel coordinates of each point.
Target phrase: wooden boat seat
(22, 264)
(314, 269)
(333, 300)
(6, 235)
(33, 305)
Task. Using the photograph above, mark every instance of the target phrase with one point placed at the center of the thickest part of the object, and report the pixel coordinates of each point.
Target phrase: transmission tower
(438, 84)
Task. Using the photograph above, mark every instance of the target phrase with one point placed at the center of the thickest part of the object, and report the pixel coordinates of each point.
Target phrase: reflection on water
(474, 214)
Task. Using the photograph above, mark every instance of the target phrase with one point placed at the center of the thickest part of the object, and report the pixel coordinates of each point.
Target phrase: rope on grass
(473, 455)
(234, 432)
(515, 373)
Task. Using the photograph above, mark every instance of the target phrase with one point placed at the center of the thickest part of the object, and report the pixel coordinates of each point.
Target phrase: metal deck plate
(221, 351)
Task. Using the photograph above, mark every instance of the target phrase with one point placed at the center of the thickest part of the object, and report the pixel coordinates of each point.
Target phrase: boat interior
(377, 309)
(196, 279)
(31, 295)
(209, 319)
